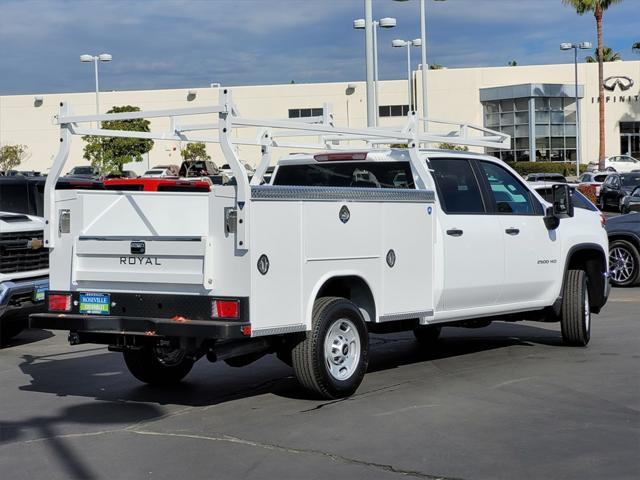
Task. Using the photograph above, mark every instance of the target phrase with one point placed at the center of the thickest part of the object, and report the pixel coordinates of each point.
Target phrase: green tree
(435, 66)
(636, 47)
(195, 152)
(608, 55)
(512, 63)
(451, 146)
(109, 154)
(11, 156)
(597, 7)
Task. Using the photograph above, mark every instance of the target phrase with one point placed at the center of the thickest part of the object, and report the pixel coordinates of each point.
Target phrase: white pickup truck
(24, 264)
(340, 243)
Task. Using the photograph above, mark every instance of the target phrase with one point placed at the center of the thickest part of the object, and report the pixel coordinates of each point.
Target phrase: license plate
(38, 294)
(95, 303)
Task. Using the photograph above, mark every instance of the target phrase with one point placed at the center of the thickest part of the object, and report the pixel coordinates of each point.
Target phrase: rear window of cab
(347, 174)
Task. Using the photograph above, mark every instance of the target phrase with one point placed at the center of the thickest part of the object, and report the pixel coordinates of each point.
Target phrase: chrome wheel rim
(342, 349)
(622, 264)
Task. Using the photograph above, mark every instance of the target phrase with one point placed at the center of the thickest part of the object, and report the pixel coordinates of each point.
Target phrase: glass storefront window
(542, 117)
(555, 104)
(506, 105)
(542, 104)
(522, 104)
(492, 120)
(555, 127)
(490, 107)
(506, 119)
(522, 118)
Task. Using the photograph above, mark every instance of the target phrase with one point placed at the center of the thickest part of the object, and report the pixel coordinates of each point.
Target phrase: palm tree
(608, 55)
(597, 7)
(636, 47)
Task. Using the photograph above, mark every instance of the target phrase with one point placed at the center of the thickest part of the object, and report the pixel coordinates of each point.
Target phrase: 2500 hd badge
(139, 261)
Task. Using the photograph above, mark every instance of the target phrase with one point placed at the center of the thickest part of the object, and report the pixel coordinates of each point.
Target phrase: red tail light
(333, 157)
(225, 309)
(59, 303)
(603, 220)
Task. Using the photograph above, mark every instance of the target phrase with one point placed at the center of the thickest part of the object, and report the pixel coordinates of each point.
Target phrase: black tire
(319, 373)
(11, 326)
(601, 203)
(624, 264)
(147, 366)
(575, 318)
(427, 334)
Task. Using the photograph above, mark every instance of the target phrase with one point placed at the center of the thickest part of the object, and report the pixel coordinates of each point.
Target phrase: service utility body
(356, 238)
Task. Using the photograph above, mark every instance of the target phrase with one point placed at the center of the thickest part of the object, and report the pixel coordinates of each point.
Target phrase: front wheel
(624, 264)
(575, 320)
(332, 358)
(158, 365)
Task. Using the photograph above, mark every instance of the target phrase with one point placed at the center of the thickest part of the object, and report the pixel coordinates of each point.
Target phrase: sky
(193, 43)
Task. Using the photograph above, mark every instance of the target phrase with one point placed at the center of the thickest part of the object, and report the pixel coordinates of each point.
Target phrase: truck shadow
(94, 372)
(46, 429)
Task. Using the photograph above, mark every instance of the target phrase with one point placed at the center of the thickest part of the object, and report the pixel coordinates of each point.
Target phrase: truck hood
(17, 222)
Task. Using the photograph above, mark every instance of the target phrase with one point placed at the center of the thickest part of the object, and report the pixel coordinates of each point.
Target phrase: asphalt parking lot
(503, 402)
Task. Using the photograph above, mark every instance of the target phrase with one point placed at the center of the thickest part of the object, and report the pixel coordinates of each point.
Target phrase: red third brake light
(333, 157)
(59, 303)
(225, 309)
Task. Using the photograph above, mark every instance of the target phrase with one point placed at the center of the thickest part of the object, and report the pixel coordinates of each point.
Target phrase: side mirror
(562, 201)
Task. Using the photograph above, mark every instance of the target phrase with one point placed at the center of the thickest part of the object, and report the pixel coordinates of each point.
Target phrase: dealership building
(534, 104)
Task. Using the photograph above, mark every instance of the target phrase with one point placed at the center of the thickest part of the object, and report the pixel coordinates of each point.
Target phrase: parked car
(157, 173)
(631, 203)
(546, 177)
(594, 179)
(198, 168)
(579, 200)
(615, 188)
(624, 250)
(83, 171)
(174, 170)
(617, 163)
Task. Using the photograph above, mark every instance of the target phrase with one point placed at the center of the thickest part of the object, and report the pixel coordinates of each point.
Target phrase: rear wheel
(158, 365)
(575, 320)
(332, 358)
(624, 264)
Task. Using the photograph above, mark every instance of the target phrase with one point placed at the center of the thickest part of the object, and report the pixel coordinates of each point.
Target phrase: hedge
(525, 168)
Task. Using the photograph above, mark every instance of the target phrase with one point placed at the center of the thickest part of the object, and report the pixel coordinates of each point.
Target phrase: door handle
(512, 231)
(455, 232)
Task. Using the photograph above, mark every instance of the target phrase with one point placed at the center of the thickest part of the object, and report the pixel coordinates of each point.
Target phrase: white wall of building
(453, 95)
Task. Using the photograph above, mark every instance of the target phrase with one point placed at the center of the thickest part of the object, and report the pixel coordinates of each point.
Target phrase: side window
(457, 186)
(511, 197)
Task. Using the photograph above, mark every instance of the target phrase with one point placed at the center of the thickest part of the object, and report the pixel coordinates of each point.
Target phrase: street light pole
(368, 46)
(424, 66)
(408, 43)
(103, 57)
(386, 22)
(575, 47)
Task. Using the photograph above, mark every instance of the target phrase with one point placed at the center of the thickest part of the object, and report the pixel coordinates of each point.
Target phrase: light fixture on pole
(575, 47)
(408, 44)
(360, 24)
(424, 66)
(103, 57)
